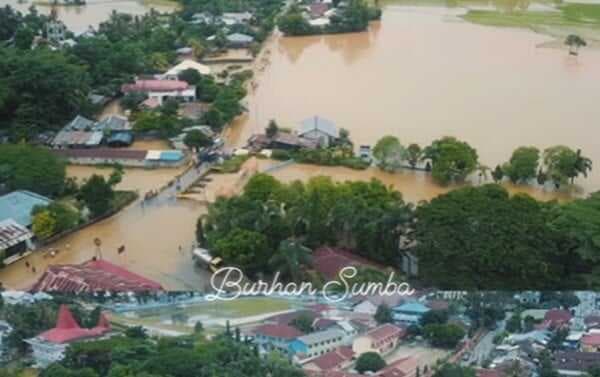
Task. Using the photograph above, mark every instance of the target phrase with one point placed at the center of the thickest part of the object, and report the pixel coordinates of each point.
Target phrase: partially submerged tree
(574, 42)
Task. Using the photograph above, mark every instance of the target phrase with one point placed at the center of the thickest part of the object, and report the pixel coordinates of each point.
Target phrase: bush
(369, 362)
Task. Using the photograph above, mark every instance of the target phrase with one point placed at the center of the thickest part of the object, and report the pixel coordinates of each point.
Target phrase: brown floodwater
(80, 18)
(422, 73)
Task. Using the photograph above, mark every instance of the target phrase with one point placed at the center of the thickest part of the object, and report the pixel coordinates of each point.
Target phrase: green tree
(294, 23)
(564, 164)
(196, 139)
(453, 160)
(303, 323)
(97, 194)
(434, 317)
(574, 42)
(272, 128)
(389, 153)
(31, 168)
(523, 164)
(444, 335)
(369, 362)
(498, 174)
(414, 153)
(289, 259)
(138, 332)
(384, 314)
(514, 323)
(43, 224)
(480, 237)
(454, 370)
(245, 249)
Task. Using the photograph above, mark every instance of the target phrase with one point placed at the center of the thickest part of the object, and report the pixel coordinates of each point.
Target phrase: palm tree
(574, 42)
(483, 172)
(290, 257)
(583, 165)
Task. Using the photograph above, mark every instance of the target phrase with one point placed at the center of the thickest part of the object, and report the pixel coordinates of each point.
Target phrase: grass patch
(232, 165)
(567, 16)
(122, 199)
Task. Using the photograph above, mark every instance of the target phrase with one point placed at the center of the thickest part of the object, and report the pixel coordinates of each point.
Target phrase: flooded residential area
(420, 73)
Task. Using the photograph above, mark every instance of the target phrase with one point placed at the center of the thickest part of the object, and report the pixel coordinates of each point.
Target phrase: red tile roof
(155, 86)
(334, 359)
(591, 340)
(93, 276)
(399, 368)
(329, 261)
(278, 331)
(557, 317)
(68, 330)
(385, 331)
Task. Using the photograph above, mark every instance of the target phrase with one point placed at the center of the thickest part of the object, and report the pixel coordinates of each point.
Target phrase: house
(50, 346)
(5, 330)
(17, 205)
(556, 318)
(381, 339)
(234, 18)
(574, 363)
(125, 157)
(400, 368)
(590, 342)
(529, 297)
(275, 337)
(162, 89)
(316, 343)
(338, 358)
(410, 312)
(322, 130)
(239, 40)
(173, 73)
(120, 139)
(15, 241)
(365, 306)
(85, 133)
(96, 275)
(281, 140)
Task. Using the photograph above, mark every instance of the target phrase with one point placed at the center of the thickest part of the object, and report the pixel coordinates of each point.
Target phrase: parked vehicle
(203, 258)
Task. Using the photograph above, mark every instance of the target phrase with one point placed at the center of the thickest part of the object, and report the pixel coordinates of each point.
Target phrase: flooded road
(422, 73)
(151, 234)
(80, 18)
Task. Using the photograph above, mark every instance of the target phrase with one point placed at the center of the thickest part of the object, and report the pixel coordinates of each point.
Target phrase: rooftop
(412, 307)
(188, 64)
(93, 276)
(318, 123)
(68, 330)
(320, 336)
(333, 359)
(239, 38)
(385, 331)
(155, 86)
(131, 154)
(17, 205)
(278, 331)
(12, 233)
(329, 261)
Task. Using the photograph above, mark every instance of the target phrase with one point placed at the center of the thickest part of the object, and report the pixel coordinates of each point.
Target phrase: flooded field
(422, 73)
(80, 18)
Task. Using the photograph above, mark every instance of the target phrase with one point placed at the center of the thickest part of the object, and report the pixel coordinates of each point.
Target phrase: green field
(566, 16)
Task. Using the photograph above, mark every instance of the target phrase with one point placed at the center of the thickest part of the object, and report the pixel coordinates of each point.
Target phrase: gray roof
(17, 205)
(320, 124)
(113, 123)
(80, 123)
(239, 38)
(320, 336)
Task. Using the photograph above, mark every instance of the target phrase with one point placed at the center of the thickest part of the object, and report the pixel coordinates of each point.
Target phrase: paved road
(486, 345)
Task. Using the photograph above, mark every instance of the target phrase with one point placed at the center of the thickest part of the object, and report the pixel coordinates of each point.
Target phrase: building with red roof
(275, 336)
(162, 89)
(557, 318)
(50, 346)
(381, 339)
(590, 342)
(95, 275)
(339, 358)
(329, 261)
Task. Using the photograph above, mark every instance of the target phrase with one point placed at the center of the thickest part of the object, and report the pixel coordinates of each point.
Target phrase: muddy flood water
(80, 18)
(419, 74)
(422, 73)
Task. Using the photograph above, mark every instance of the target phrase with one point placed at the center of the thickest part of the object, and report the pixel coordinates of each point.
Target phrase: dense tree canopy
(523, 164)
(389, 153)
(480, 237)
(23, 167)
(369, 362)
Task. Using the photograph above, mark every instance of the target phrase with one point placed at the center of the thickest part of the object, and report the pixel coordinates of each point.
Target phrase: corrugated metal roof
(17, 205)
(173, 155)
(319, 124)
(320, 336)
(12, 233)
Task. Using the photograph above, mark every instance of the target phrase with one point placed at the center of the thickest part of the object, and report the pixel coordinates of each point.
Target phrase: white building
(161, 90)
(173, 73)
(365, 307)
(50, 346)
(382, 340)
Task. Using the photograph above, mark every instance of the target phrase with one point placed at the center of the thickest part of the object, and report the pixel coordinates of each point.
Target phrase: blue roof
(171, 155)
(17, 205)
(412, 307)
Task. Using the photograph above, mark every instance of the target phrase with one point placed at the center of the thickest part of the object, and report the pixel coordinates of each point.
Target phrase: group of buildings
(226, 21)
(16, 237)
